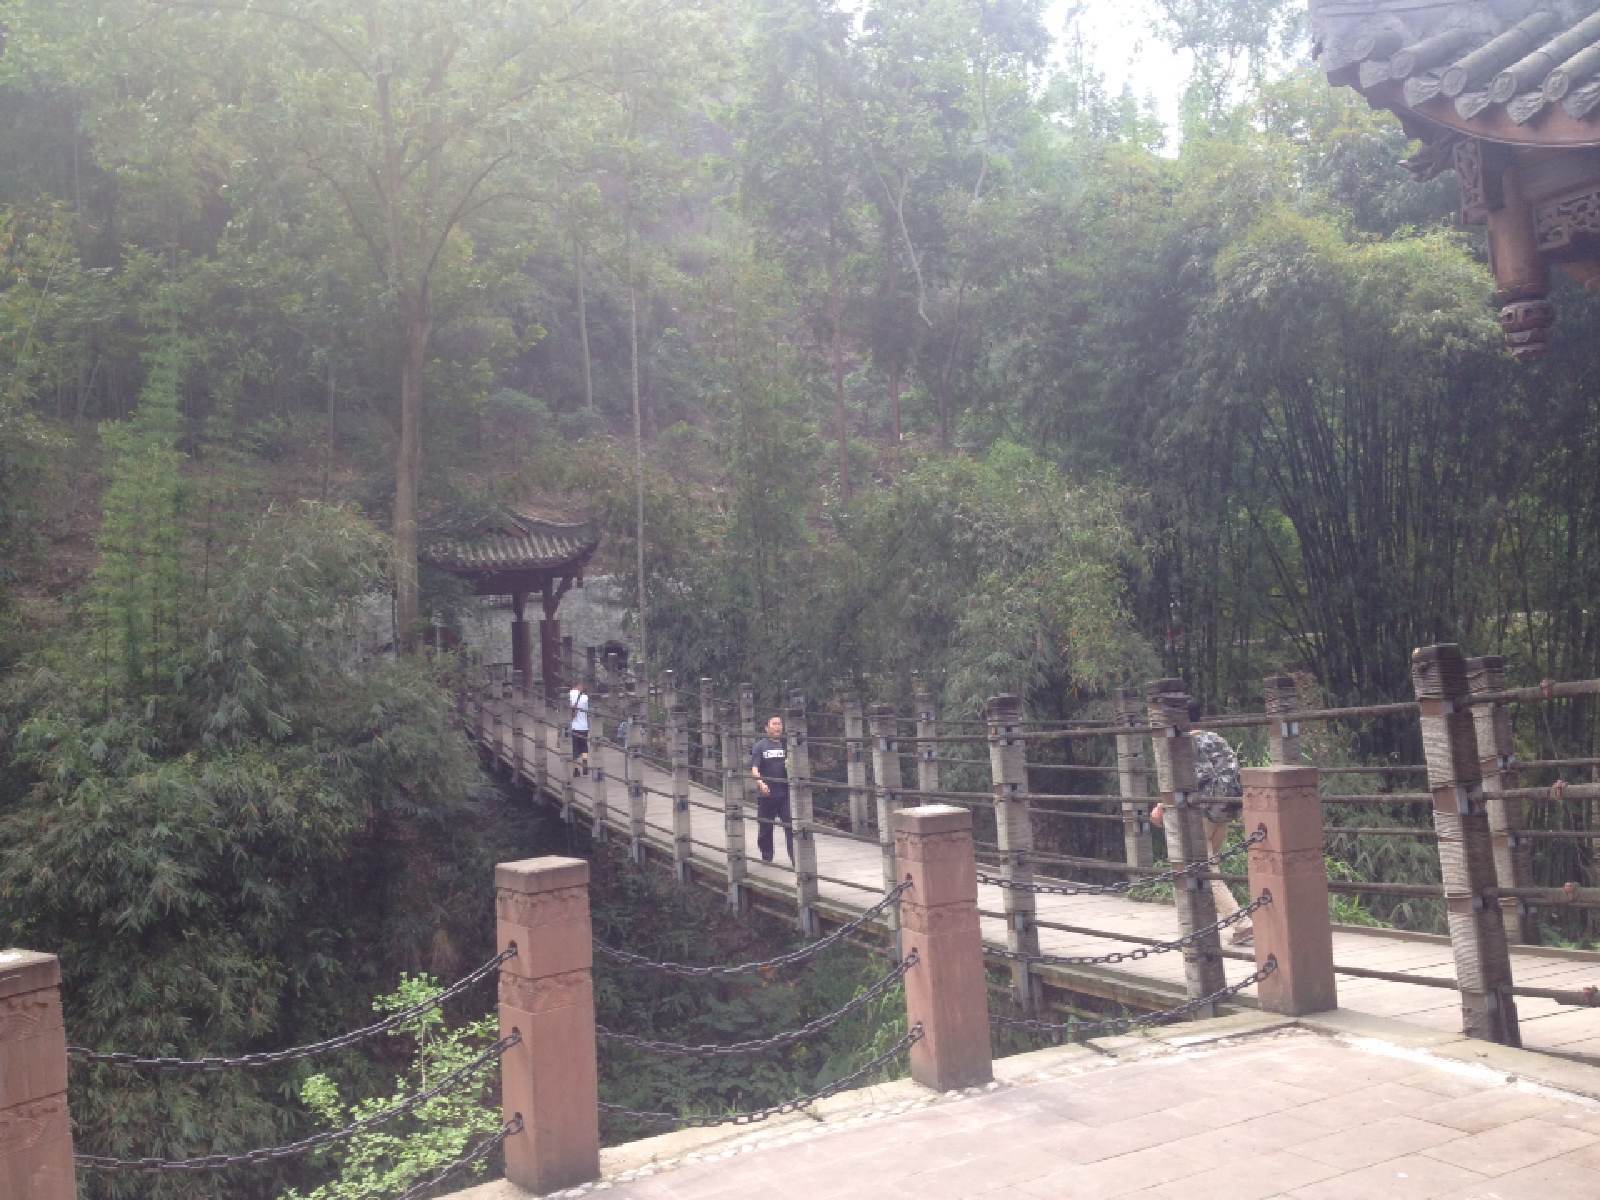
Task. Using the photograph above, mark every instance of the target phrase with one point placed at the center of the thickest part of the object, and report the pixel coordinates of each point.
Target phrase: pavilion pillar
(550, 657)
(521, 642)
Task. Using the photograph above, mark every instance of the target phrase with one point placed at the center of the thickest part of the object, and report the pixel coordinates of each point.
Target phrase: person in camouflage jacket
(1216, 774)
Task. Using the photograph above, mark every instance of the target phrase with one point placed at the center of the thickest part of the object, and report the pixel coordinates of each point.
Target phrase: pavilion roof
(1519, 71)
(513, 542)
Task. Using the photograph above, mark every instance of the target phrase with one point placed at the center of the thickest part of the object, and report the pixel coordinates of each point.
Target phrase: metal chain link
(273, 1057)
(914, 1034)
(480, 1151)
(1120, 1024)
(1105, 889)
(810, 1029)
(218, 1162)
(794, 957)
(1140, 952)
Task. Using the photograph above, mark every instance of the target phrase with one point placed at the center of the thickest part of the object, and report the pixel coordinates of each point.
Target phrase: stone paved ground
(1235, 1113)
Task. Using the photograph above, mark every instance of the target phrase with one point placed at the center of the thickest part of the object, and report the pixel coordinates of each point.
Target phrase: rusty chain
(914, 1034)
(1108, 889)
(482, 1150)
(809, 1029)
(219, 1162)
(689, 971)
(273, 1057)
(1120, 1024)
(1140, 952)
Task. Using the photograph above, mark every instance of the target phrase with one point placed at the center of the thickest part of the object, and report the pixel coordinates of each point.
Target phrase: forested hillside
(905, 342)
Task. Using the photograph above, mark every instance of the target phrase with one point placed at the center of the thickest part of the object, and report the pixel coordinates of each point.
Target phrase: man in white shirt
(578, 702)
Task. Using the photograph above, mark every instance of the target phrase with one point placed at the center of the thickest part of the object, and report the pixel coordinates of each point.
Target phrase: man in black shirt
(769, 763)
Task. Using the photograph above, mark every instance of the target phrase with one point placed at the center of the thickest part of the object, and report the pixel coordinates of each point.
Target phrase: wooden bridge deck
(1156, 981)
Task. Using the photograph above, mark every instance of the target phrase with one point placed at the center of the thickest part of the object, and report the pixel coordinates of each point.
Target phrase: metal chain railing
(755, 1046)
(1140, 952)
(218, 1162)
(1121, 1024)
(273, 1057)
(1107, 889)
(793, 958)
(481, 1151)
(914, 1034)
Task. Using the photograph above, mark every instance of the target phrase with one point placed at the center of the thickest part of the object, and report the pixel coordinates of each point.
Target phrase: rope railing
(1103, 889)
(1144, 951)
(220, 1162)
(793, 958)
(1123, 1024)
(787, 1038)
(274, 1057)
(685, 1121)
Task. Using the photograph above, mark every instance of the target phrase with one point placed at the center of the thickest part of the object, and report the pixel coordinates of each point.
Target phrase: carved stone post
(519, 736)
(1133, 781)
(1466, 851)
(855, 760)
(541, 742)
(801, 811)
(929, 776)
(1014, 829)
(678, 756)
(550, 1078)
(35, 1130)
(733, 807)
(886, 775)
(1513, 855)
(708, 724)
(1186, 838)
(945, 991)
(1283, 736)
(1294, 928)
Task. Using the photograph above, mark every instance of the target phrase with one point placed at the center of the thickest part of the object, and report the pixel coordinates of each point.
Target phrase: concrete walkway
(1244, 1107)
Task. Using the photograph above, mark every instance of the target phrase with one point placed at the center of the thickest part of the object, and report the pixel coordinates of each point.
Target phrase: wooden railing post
(1466, 851)
(1282, 695)
(591, 674)
(1294, 928)
(550, 1078)
(945, 991)
(855, 764)
(1133, 782)
(519, 734)
(802, 816)
(709, 744)
(1513, 855)
(634, 765)
(541, 741)
(1008, 766)
(1168, 707)
(734, 786)
(886, 781)
(35, 1129)
(678, 756)
(929, 776)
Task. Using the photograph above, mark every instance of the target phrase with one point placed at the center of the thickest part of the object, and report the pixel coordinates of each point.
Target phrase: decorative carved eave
(1507, 94)
(512, 552)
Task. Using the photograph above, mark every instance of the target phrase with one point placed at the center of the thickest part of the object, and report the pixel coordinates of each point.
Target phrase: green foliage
(397, 1154)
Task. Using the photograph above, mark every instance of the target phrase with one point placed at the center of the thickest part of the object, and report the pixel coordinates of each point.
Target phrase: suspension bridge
(980, 934)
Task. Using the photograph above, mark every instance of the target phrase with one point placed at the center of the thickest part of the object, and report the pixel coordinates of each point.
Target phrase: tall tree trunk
(894, 407)
(836, 352)
(638, 444)
(583, 329)
(408, 469)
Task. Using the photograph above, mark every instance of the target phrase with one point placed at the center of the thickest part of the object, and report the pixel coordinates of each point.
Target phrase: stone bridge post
(802, 816)
(1295, 926)
(1014, 829)
(945, 992)
(855, 759)
(35, 1131)
(1133, 782)
(1513, 856)
(550, 1078)
(886, 775)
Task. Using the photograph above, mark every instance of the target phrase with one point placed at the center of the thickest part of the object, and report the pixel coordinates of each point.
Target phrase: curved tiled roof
(512, 541)
(1504, 66)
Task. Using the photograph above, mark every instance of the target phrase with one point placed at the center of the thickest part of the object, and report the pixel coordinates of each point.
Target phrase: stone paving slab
(1246, 1107)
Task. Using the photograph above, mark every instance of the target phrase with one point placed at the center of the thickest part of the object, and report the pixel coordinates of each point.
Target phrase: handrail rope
(1140, 952)
(218, 1162)
(794, 957)
(1102, 889)
(788, 1037)
(914, 1034)
(273, 1057)
(1118, 1024)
